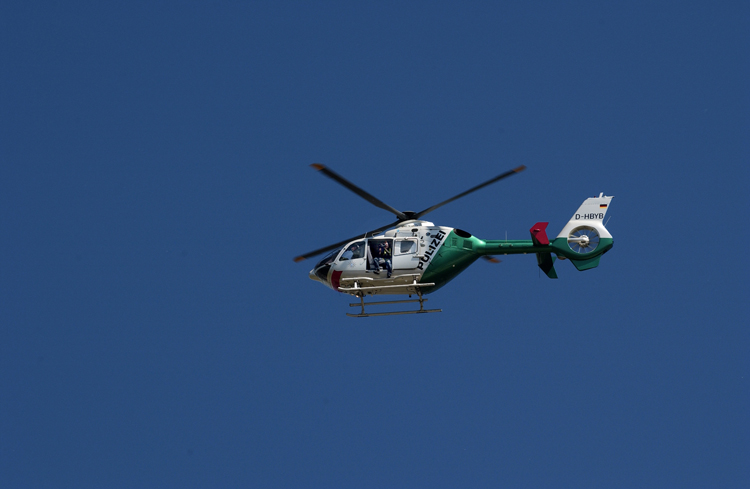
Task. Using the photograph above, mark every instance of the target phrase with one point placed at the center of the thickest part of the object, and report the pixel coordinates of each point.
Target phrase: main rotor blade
(342, 243)
(473, 189)
(369, 198)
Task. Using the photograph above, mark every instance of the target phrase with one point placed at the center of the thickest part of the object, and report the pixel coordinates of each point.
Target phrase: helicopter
(412, 256)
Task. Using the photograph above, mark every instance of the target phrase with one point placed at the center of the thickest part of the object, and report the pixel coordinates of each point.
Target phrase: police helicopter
(412, 256)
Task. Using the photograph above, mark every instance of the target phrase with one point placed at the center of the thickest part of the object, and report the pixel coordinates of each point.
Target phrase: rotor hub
(583, 239)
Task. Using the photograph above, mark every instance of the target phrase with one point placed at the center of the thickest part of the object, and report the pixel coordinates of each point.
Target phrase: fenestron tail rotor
(583, 239)
(402, 216)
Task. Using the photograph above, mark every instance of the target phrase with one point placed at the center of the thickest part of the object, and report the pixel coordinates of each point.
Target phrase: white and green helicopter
(416, 257)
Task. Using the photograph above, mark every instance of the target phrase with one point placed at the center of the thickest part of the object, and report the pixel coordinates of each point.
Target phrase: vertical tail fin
(591, 213)
(584, 239)
(545, 260)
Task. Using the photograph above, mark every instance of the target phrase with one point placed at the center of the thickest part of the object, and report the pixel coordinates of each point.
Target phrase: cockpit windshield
(328, 259)
(324, 265)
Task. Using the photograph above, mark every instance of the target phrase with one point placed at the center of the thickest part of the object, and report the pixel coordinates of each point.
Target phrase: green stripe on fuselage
(453, 257)
(457, 253)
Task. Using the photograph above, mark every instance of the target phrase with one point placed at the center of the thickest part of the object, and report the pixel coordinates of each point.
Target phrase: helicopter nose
(319, 275)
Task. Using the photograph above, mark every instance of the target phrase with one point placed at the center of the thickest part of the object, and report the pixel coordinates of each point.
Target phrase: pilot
(382, 256)
(352, 252)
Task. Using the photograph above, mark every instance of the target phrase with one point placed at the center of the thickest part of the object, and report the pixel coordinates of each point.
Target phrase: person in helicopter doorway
(382, 256)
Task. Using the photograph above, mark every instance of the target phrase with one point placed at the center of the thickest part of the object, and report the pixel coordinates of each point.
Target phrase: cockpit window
(328, 259)
(324, 265)
(354, 251)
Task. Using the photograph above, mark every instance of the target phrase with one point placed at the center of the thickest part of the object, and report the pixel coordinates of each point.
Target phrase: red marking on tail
(539, 234)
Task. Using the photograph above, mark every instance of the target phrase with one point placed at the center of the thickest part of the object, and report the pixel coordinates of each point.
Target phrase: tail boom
(583, 240)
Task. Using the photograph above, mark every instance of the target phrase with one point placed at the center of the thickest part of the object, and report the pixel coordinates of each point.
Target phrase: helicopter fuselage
(421, 252)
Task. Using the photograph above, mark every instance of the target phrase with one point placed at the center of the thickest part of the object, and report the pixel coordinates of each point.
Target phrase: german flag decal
(602, 206)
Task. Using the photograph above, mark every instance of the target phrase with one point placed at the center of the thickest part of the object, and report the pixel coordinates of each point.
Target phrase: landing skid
(364, 314)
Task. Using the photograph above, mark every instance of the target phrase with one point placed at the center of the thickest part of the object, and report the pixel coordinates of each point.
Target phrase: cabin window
(406, 247)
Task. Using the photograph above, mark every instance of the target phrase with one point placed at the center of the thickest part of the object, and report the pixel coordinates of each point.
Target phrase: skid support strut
(364, 314)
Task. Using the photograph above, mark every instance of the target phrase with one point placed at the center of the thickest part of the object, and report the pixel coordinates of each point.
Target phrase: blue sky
(155, 186)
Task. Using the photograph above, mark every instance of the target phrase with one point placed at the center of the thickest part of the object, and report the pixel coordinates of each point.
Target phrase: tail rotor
(584, 239)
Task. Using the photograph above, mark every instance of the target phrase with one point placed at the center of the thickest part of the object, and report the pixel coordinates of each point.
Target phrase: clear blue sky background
(154, 188)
